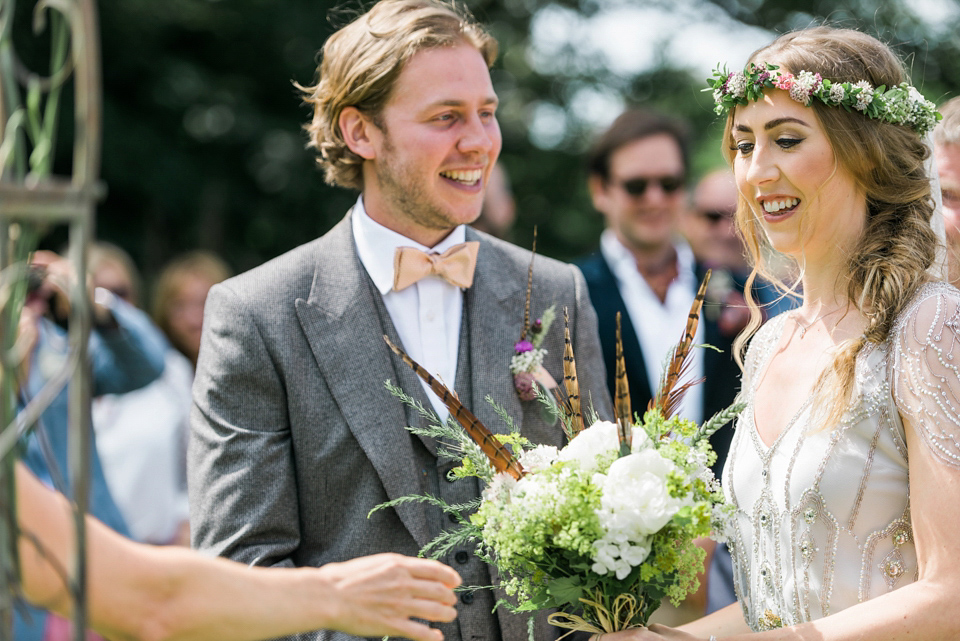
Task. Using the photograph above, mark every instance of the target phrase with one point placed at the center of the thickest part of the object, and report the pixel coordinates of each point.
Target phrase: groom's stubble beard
(405, 194)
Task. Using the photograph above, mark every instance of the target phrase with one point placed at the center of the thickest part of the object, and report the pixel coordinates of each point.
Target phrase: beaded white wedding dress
(823, 515)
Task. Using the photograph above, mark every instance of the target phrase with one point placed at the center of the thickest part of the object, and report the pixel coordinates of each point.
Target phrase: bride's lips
(778, 208)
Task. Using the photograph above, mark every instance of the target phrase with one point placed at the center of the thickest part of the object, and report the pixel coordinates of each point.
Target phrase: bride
(845, 467)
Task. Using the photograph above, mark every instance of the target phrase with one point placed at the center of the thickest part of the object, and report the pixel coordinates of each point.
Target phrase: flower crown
(902, 105)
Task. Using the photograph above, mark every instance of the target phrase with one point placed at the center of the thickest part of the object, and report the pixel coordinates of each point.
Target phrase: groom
(295, 438)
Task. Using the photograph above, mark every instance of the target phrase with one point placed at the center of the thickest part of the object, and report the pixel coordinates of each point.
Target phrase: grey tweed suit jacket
(294, 436)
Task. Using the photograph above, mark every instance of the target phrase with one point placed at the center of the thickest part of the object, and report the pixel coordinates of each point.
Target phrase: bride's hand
(653, 633)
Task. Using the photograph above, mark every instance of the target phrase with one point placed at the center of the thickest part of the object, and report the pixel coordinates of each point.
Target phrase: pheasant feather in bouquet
(604, 528)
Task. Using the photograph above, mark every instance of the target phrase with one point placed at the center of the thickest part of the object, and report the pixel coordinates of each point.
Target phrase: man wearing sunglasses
(645, 270)
(708, 223)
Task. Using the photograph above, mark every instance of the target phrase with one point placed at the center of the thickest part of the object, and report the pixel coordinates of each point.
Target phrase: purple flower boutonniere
(527, 362)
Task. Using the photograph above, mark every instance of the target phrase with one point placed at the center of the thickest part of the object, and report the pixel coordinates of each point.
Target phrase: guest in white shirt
(142, 435)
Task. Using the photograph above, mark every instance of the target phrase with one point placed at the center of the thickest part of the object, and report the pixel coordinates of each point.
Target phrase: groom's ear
(359, 133)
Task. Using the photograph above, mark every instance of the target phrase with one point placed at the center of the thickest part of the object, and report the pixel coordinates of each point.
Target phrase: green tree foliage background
(203, 144)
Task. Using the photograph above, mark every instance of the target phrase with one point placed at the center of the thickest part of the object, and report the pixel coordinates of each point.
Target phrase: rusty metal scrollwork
(32, 199)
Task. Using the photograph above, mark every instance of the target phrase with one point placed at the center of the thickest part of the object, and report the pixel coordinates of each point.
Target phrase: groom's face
(435, 144)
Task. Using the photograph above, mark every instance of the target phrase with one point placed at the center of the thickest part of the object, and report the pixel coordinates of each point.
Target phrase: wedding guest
(137, 591)
(845, 468)
(142, 435)
(180, 294)
(708, 223)
(946, 149)
(125, 353)
(294, 436)
(645, 270)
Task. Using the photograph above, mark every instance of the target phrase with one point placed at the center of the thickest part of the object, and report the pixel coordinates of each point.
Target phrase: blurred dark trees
(203, 144)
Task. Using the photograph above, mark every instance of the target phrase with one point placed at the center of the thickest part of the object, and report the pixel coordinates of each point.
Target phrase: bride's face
(806, 202)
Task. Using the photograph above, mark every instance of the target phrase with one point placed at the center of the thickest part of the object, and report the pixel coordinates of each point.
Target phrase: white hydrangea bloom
(619, 559)
(639, 440)
(539, 458)
(500, 488)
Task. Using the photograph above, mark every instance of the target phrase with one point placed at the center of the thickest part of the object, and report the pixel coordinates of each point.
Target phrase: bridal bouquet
(602, 529)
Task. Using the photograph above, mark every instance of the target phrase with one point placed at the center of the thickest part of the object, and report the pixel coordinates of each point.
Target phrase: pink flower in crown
(784, 81)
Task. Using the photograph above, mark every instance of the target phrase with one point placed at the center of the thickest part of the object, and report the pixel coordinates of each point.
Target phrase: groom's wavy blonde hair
(890, 260)
(361, 62)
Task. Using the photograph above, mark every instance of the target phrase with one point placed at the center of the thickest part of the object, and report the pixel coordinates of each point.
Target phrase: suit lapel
(346, 336)
(494, 310)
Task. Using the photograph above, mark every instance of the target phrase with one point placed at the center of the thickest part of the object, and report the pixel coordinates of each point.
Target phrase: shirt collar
(620, 257)
(376, 246)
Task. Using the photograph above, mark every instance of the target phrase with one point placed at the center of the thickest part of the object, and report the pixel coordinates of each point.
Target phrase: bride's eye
(743, 147)
(787, 143)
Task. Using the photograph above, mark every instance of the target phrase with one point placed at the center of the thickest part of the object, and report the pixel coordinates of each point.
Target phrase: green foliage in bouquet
(602, 529)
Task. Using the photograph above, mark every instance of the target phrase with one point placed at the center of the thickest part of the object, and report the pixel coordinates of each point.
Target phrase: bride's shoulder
(935, 305)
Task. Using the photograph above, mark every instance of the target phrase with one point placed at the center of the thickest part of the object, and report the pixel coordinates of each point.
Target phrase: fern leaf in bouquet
(500, 456)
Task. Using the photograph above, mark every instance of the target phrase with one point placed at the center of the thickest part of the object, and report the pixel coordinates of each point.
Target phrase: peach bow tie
(456, 265)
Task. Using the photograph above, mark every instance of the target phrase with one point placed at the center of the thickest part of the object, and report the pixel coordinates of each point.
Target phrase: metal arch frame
(31, 198)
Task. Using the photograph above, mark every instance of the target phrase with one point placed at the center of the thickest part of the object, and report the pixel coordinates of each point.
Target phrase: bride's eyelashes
(745, 147)
(787, 142)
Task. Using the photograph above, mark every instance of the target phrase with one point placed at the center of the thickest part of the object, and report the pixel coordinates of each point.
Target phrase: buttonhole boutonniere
(527, 362)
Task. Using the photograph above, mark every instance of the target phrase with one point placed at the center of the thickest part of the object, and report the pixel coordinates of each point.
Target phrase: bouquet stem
(607, 616)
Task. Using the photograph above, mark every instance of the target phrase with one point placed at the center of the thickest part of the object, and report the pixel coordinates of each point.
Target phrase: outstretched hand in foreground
(142, 592)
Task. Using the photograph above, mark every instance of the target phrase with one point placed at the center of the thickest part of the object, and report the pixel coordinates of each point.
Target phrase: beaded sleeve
(926, 369)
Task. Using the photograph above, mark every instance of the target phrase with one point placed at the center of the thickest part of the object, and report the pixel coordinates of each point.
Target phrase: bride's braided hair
(890, 261)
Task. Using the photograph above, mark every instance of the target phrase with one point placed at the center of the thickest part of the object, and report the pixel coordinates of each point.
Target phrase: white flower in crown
(737, 84)
(804, 84)
(837, 93)
(865, 97)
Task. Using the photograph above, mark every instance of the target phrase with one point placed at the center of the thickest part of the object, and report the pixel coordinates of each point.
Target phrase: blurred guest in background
(125, 351)
(180, 294)
(499, 209)
(637, 174)
(141, 435)
(946, 144)
(708, 225)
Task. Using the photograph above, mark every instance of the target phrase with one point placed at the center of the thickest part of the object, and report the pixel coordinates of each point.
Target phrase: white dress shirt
(659, 326)
(427, 314)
